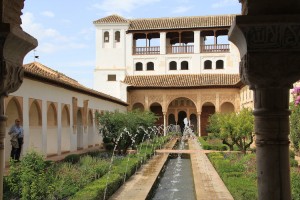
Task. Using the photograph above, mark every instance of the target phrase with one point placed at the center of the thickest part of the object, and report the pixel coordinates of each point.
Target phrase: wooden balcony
(215, 48)
(145, 50)
(180, 49)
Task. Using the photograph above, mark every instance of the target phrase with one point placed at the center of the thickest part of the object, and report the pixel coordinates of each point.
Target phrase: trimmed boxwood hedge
(115, 178)
(207, 146)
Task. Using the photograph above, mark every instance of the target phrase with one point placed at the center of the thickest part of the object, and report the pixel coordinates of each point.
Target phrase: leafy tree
(221, 126)
(243, 129)
(294, 119)
(125, 129)
(233, 128)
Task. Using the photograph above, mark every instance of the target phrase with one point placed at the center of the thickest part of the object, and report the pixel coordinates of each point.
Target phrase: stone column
(165, 123)
(199, 123)
(267, 36)
(14, 45)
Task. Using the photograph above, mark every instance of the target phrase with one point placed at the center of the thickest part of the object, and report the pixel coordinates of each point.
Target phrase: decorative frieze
(227, 98)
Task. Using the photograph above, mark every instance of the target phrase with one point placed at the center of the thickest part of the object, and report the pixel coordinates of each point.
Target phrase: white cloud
(117, 6)
(50, 40)
(181, 9)
(48, 14)
(224, 3)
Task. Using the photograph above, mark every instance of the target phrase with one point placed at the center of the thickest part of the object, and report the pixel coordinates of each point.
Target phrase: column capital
(15, 44)
(269, 48)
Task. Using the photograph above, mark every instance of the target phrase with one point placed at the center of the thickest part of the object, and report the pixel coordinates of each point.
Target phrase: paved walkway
(209, 185)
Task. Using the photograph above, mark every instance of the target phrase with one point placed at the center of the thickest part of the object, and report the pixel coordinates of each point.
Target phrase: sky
(66, 34)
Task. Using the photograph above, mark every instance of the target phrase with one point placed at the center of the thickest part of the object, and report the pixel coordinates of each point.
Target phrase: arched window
(138, 66)
(207, 64)
(184, 65)
(106, 36)
(220, 64)
(150, 66)
(172, 65)
(117, 36)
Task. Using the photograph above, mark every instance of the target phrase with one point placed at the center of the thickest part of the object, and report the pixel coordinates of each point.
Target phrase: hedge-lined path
(209, 185)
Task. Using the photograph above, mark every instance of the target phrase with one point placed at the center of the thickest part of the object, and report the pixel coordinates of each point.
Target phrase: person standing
(17, 139)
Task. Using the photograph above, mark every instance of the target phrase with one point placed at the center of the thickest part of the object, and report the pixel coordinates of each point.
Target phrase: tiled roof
(186, 80)
(181, 22)
(42, 73)
(111, 19)
(171, 22)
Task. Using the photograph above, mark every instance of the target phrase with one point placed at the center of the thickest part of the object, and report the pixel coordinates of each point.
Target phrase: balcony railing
(215, 48)
(180, 49)
(188, 49)
(145, 50)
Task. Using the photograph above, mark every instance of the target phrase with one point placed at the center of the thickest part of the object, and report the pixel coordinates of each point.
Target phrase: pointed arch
(35, 114)
(90, 129)
(13, 111)
(52, 135)
(51, 115)
(65, 116)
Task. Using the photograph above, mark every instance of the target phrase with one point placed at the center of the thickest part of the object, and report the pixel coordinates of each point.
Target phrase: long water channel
(176, 182)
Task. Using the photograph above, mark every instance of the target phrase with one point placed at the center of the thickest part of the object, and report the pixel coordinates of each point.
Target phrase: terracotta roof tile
(111, 19)
(183, 80)
(181, 22)
(171, 22)
(41, 72)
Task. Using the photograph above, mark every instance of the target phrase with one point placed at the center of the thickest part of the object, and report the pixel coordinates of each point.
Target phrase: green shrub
(72, 158)
(122, 169)
(292, 154)
(31, 178)
(106, 140)
(293, 162)
(238, 172)
(295, 184)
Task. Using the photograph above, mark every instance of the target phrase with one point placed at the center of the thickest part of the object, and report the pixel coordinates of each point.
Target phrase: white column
(111, 39)
(196, 41)
(26, 125)
(130, 44)
(44, 126)
(199, 123)
(163, 44)
(59, 128)
(165, 124)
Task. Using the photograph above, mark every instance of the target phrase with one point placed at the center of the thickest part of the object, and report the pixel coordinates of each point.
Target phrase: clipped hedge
(238, 173)
(115, 178)
(207, 146)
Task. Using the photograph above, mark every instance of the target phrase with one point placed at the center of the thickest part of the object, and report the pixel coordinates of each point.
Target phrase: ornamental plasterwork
(208, 98)
(227, 98)
(192, 97)
(137, 99)
(155, 99)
